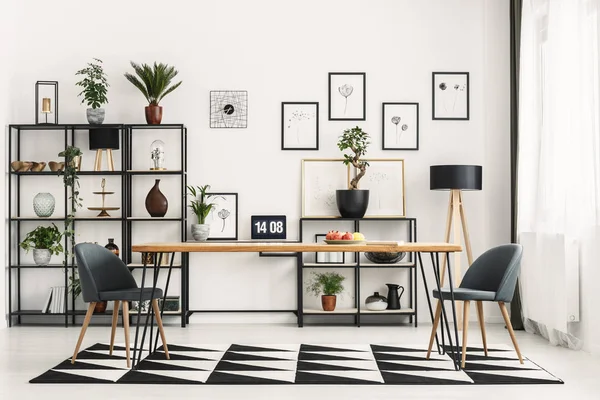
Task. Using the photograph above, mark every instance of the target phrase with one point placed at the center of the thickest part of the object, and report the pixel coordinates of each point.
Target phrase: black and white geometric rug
(307, 364)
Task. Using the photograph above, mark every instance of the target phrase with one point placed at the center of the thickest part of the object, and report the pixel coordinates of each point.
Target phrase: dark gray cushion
(130, 294)
(466, 294)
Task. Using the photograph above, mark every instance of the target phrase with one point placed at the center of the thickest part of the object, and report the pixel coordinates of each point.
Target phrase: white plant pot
(200, 232)
(95, 116)
(41, 256)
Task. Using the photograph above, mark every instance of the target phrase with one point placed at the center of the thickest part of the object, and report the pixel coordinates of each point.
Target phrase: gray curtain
(516, 6)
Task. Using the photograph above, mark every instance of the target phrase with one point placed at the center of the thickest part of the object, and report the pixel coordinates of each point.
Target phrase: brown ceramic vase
(100, 307)
(156, 202)
(328, 302)
(153, 115)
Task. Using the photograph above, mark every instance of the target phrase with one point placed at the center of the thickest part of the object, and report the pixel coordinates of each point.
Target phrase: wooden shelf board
(329, 265)
(402, 311)
(339, 311)
(376, 265)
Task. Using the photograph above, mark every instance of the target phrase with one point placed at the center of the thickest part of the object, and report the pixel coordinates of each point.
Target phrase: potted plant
(45, 241)
(201, 208)
(353, 202)
(328, 285)
(154, 84)
(94, 86)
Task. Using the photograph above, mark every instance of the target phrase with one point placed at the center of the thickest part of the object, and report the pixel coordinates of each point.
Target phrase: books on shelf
(55, 302)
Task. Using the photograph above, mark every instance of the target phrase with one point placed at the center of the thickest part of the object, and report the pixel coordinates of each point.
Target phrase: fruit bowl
(384, 258)
(349, 242)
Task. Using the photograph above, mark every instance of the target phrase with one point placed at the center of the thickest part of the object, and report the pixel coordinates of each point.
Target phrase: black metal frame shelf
(70, 133)
(358, 311)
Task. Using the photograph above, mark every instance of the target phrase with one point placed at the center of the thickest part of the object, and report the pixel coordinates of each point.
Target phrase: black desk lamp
(104, 139)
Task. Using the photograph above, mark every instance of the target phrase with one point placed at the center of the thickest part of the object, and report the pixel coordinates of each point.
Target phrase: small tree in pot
(353, 202)
(201, 207)
(45, 242)
(94, 91)
(328, 285)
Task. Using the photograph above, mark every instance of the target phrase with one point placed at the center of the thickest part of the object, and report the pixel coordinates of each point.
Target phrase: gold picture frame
(384, 178)
(320, 179)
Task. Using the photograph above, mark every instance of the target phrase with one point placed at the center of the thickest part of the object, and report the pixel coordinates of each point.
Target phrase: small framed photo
(327, 257)
(400, 126)
(223, 218)
(385, 181)
(320, 180)
(228, 109)
(300, 126)
(450, 95)
(171, 305)
(347, 96)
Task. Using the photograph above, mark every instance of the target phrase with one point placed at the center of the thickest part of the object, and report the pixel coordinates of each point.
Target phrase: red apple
(348, 236)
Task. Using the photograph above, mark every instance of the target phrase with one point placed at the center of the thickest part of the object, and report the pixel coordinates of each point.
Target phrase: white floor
(29, 351)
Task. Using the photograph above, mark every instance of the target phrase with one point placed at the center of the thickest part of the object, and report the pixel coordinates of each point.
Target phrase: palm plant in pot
(328, 285)
(201, 207)
(353, 202)
(45, 242)
(153, 82)
(94, 91)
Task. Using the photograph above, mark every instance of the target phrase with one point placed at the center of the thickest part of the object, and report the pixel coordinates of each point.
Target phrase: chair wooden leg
(510, 329)
(465, 330)
(86, 322)
(436, 321)
(160, 327)
(126, 329)
(115, 319)
(482, 326)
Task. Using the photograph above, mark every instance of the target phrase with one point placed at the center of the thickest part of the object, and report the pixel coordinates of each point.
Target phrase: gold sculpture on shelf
(103, 210)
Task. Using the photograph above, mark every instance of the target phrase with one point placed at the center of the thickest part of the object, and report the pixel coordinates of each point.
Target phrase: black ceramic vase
(352, 203)
(393, 297)
(156, 202)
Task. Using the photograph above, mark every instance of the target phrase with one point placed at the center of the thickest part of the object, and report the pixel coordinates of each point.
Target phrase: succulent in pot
(353, 202)
(45, 242)
(153, 82)
(94, 91)
(328, 285)
(201, 208)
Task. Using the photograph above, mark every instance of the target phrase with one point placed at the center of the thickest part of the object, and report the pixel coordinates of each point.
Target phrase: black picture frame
(385, 120)
(317, 236)
(236, 101)
(215, 199)
(363, 117)
(284, 124)
(437, 89)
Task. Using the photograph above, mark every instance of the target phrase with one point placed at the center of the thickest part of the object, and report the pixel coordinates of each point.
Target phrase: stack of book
(55, 303)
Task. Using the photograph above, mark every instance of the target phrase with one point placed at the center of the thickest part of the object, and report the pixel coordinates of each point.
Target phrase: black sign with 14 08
(269, 227)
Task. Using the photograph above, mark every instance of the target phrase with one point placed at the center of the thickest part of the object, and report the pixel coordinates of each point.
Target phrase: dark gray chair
(491, 277)
(104, 277)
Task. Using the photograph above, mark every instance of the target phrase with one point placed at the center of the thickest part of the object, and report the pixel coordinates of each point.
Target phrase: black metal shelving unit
(359, 267)
(70, 133)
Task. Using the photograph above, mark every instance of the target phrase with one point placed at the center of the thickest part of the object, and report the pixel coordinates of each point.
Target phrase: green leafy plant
(153, 81)
(357, 141)
(94, 84)
(43, 237)
(326, 283)
(200, 205)
(75, 285)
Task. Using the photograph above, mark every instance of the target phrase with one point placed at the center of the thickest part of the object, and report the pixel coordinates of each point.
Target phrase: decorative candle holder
(46, 102)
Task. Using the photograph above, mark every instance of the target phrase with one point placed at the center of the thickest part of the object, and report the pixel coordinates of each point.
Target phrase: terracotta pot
(328, 302)
(153, 115)
(156, 202)
(100, 307)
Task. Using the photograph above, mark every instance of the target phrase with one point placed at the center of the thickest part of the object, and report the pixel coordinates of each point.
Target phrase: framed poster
(300, 126)
(400, 126)
(450, 95)
(320, 179)
(385, 181)
(347, 96)
(223, 218)
(328, 257)
(228, 109)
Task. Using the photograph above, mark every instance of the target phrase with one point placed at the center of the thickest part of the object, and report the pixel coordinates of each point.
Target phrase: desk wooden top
(283, 247)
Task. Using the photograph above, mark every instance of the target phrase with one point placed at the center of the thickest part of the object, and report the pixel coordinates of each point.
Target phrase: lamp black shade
(446, 177)
(104, 138)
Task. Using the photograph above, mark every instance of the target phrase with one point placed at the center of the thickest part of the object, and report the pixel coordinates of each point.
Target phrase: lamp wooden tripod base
(109, 160)
(456, 218)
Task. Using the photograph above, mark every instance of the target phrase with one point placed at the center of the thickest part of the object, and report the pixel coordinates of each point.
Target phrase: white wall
(282, 51)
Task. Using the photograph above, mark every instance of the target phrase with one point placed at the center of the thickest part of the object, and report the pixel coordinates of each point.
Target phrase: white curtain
(559, 163)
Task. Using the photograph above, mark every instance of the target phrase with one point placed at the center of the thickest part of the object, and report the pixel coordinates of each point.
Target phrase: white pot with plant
(201, 208)
(45, 242)
(328, 285)
(94, 91)
(353, 202)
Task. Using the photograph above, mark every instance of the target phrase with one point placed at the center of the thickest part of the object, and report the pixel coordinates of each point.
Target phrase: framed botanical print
(400, 126)
(450, 95)
(223, 218)
(300, 126)
(328, 257)
(320, 179)
(347, 96)
(385, 181)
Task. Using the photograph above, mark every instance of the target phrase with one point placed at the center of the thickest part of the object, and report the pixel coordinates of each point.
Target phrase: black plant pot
(352, 203)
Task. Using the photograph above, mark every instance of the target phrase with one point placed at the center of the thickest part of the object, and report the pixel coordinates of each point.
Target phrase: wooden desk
(296, 249)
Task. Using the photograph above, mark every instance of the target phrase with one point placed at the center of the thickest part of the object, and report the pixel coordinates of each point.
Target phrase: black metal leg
(436, 274)
(183, 290)
(427, 296)
(162, 307)
(156, 266)
(139, 316)
(445, 321)
(453, 308)
(300, 300)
